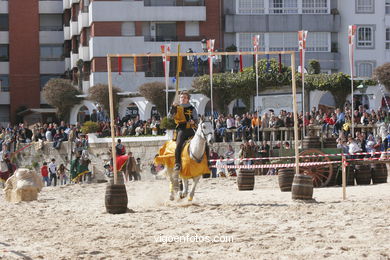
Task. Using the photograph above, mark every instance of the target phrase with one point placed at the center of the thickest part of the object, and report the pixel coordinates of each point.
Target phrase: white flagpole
(351, 36)
(211, 49)
(256, 42)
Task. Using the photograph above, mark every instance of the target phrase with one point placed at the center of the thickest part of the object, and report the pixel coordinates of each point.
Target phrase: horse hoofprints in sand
(194, 160)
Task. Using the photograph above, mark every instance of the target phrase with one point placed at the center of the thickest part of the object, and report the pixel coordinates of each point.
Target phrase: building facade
(71, 38)
(91, 32)
(31, 40)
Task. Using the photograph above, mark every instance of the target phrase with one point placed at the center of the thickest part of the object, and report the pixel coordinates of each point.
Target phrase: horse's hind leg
(195, 180)
(184, 192)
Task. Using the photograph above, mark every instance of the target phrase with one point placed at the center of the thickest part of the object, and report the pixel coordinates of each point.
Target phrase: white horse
(197, 147)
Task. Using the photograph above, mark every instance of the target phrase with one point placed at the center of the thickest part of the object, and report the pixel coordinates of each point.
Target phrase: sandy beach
(70, 222)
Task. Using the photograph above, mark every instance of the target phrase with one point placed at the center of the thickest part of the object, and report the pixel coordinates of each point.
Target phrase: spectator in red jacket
(45, 174)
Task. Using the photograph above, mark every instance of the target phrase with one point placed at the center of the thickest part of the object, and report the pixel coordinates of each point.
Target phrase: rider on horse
(185, 116)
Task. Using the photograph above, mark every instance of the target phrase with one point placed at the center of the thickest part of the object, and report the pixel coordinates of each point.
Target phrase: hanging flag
(268, 64)
(196, 64)
(149, 64)
(280, 63)
(302, 35)
(210, 48)
(178, 68)
(135, 63)
(119, 65)
(351, 43)
(241, 66)
(165, 50)
(256, 43)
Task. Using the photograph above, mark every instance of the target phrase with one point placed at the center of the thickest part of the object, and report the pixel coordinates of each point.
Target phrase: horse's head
(206, 130)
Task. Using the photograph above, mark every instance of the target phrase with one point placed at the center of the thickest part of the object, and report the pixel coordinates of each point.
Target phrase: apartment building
(31, 40)
(327, 21)
(94, 29)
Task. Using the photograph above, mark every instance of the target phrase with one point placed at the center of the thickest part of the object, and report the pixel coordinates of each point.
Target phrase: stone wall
(32, 157)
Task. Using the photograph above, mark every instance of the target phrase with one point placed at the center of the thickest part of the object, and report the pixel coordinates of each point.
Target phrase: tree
(61, 94)
(314, 67)
(382, 74)
(154, 92)
(230, 86)
(100, 94)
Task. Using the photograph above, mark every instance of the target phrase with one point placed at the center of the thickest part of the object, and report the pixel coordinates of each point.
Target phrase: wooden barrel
(302, 187)
(379, 173)
(311, 142)
(363, 174)
(333, 179)
(329, 142)
(246, 179)
(116, 198)
(350, 171)
(286, 177)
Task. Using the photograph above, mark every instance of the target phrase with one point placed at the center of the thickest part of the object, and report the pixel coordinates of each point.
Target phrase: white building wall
(378, 19)
(136, 11)
(50, 7)
(52, 67)
(101, 46)
(4, 38)
(51, 37)
(3, 7)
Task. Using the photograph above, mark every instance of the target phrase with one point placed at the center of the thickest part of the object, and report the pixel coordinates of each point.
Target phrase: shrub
(90, 127)
(100, 94)
(382, 74)
(61, 94)
(154, 92)
(167, 123)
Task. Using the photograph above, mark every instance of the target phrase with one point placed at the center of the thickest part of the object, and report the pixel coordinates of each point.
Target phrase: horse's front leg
(184, 193)
(174, 183)
(192, 193)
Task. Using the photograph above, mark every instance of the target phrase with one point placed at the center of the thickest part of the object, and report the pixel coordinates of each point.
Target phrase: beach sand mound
(70, 222)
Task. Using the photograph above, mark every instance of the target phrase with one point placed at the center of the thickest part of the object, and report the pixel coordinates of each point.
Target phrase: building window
(245, 41)
(387, 6)
(4, 52)
(127, 64)
(364, 6)
(192, 28)
(128, 29)
(52, 52)
(283, 7)
(3, 22)
(364, 69)
(283, 42)
(4, 83)
(318, 41)
(250, 6)
(50, 22)
(365, 37)
(45, 78)
(314, 6)
(387, 39)
(166, 32)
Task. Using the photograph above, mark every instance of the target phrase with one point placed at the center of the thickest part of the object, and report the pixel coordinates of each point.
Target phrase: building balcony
(75, 1)
(282, 23)
(51, 37)
(4, 67)
(174, 3)
(84, 53)
(3, 6)
(86, 86)
(163, 38)
(74, 29)
(4, 37)
(50, 7)
(83, 21)
(66, 4)
(4, 99)
(51, 67)
(136, 11)
(67, 33)
(74, 57)
(68, 64)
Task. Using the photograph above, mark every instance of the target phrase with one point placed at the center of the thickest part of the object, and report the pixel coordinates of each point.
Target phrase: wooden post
(344, 176)
(112, 120)
(295, 109)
